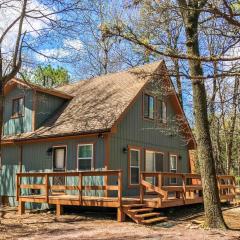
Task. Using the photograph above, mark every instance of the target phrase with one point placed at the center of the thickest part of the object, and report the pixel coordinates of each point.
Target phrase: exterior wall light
(49, 151)
(125, 150)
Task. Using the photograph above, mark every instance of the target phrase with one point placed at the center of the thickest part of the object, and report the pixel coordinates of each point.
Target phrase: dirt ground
(91, 224)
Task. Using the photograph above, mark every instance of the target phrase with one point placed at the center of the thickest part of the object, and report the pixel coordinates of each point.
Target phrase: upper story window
(162, 111)
(85, 157)
(18, 107)
(148, 106)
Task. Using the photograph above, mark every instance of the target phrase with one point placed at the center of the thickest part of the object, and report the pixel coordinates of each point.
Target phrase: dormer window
(148, 106)
(17, 107)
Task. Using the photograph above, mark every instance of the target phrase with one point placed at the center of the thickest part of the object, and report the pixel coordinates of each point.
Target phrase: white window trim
(173, 169)
(130, 166)
(60, 146)
(78, 158)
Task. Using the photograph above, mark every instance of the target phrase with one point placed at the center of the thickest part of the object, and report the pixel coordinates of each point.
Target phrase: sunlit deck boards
(74, 200)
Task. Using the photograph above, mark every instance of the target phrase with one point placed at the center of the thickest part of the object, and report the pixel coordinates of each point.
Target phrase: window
(173, 167)
(164, 112)
(59, 158)
(134, 166)
(148, 106)
(85, 157)
(17, 107)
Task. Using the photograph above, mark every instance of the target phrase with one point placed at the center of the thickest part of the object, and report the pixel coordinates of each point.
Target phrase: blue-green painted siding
(46, 106)
(135, 131)
(19, 125)
(36, 159)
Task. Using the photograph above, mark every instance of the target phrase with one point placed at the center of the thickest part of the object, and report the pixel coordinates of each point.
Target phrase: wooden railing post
(141, 188)
(184, 188)
(80, 177)
(46, 187)
(160, 184)
(120, 187)
(234, 185)
(17, 187)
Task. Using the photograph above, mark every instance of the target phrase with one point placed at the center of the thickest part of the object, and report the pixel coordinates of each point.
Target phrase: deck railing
(47, 186)
(183, 187)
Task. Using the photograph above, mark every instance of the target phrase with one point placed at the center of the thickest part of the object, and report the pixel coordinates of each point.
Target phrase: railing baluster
(184, 188)
(80, 187)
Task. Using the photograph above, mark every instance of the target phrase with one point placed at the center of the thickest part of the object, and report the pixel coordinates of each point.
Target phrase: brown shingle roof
(97, 103)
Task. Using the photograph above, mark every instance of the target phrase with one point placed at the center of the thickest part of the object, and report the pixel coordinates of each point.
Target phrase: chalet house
(121, 120)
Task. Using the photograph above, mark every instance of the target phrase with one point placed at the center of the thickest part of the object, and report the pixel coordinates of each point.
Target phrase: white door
(59, 164)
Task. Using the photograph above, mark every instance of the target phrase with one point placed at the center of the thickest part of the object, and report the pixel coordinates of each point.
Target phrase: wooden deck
(156, 190)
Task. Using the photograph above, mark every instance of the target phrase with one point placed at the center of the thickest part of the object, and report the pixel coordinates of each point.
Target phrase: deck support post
(59, 210)
(21, 207)
(120, 215)
(141, 188)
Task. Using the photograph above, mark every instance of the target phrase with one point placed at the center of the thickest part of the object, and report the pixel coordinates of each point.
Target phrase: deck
(157, 190)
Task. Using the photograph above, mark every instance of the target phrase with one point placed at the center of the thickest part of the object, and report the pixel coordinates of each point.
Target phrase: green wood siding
(13, 126)
(46, 106)
(134, 130)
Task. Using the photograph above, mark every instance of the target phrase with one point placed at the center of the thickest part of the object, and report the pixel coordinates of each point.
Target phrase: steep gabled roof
(97, 104)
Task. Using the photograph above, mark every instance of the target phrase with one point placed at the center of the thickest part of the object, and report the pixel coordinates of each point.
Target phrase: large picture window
(148, 106)
(134, 163)
(85, 157)
(17, 107)
(173, 168)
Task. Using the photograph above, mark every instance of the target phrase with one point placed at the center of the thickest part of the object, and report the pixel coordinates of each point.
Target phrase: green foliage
(50, 77)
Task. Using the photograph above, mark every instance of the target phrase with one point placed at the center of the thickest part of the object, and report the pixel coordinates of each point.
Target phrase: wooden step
(140, 210)
(134, 205)
(145, 215)
(154, 220)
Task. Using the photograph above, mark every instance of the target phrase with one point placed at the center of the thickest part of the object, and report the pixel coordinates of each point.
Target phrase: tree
(26, 25)
(192, 15)
(50, 77)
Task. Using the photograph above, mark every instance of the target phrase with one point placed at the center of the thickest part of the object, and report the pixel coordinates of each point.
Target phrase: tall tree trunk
(213, 213)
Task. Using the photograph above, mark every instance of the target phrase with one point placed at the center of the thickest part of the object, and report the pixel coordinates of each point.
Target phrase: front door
(153, 163)
(59, 164)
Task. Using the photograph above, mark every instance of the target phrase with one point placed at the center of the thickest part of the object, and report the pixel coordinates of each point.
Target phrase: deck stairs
(142, 214)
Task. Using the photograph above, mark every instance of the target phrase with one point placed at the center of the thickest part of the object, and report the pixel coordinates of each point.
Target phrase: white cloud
(69, 48)
(55, 53)
(73, 43)
(31, 26)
